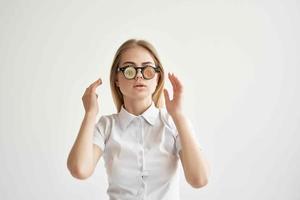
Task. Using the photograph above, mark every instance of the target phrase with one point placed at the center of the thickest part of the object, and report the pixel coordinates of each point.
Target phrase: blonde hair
(157, 96)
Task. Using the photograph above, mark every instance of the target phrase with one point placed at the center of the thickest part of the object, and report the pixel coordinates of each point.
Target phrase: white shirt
(140, 154)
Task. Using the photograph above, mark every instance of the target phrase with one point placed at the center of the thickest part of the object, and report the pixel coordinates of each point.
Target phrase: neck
(137, 106)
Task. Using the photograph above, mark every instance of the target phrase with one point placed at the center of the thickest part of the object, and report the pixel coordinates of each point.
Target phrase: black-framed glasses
(130, 71)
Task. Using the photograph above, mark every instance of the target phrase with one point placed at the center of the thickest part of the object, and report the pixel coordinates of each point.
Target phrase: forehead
(136, 54)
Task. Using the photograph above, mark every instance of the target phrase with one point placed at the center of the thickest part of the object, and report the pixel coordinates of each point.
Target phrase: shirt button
(145, 173)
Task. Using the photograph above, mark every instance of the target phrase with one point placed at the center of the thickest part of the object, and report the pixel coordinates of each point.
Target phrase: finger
(167, 97)
(95, 85)
(96, 82)
(87, 90)
(178, 83)
(172, 81)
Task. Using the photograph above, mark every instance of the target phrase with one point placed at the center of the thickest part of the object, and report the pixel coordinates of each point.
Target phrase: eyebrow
(130, 62)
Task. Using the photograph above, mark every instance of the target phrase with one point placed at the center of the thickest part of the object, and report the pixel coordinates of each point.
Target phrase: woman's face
(137, 56)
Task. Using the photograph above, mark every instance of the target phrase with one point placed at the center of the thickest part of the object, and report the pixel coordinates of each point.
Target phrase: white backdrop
(239, 62)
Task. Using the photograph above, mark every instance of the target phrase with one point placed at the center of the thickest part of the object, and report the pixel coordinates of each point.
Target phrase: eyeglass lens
(130, 72)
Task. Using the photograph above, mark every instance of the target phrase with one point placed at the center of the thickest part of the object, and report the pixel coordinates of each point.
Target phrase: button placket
(144, 173)
(142, 143)
(138, 135)
(142, 191)
(142, 131)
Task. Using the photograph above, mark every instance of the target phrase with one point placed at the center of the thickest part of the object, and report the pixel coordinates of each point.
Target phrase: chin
(140, 96)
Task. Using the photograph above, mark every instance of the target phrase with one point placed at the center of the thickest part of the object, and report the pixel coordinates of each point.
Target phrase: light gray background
(239, 62)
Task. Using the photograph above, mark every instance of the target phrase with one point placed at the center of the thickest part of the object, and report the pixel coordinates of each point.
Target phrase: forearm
(193, 161)
(80, 159)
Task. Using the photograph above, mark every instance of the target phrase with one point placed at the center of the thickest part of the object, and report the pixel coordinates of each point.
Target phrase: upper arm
(100, 135)
(81, 173)
(183, 165)
(97, 153)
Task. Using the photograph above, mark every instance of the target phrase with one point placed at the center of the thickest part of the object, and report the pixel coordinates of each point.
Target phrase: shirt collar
(149, 115)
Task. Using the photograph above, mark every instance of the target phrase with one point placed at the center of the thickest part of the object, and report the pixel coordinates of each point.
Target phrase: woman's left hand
(174, 106)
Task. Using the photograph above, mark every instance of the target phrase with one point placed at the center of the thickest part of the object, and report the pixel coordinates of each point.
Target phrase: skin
(194, 164)
(136, 101)
(84, 155)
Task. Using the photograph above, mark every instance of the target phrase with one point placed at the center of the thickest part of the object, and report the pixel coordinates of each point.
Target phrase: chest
(140, 148)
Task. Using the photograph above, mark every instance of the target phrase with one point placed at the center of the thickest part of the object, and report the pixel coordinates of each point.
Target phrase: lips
(139, 85)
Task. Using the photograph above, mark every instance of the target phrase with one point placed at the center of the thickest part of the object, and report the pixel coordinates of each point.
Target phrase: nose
(139, 74)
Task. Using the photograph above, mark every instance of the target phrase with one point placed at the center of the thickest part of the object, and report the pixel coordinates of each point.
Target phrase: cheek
(154, 84)
(121, 81)
(124, 85)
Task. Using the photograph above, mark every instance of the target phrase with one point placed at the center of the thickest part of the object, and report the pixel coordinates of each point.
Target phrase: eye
(129, 72)
(149, 72)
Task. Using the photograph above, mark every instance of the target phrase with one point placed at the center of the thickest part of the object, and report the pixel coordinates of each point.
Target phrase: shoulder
(106, 121)
(166, 118)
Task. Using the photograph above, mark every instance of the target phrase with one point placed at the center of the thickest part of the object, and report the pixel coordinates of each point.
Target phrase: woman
(141, 143)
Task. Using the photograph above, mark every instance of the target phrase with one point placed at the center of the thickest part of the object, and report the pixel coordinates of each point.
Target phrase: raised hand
(174, 106)
(89, 98)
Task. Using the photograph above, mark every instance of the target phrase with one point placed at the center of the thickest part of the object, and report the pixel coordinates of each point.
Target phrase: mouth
(140, 86)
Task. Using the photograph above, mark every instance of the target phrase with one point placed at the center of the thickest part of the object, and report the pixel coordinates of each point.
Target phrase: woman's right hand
(89, 98)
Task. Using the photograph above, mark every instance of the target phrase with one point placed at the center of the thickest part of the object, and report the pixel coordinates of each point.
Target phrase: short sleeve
(178, 143)
(193, 132)
(100, 132)
(177, 136)
(167, 119)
